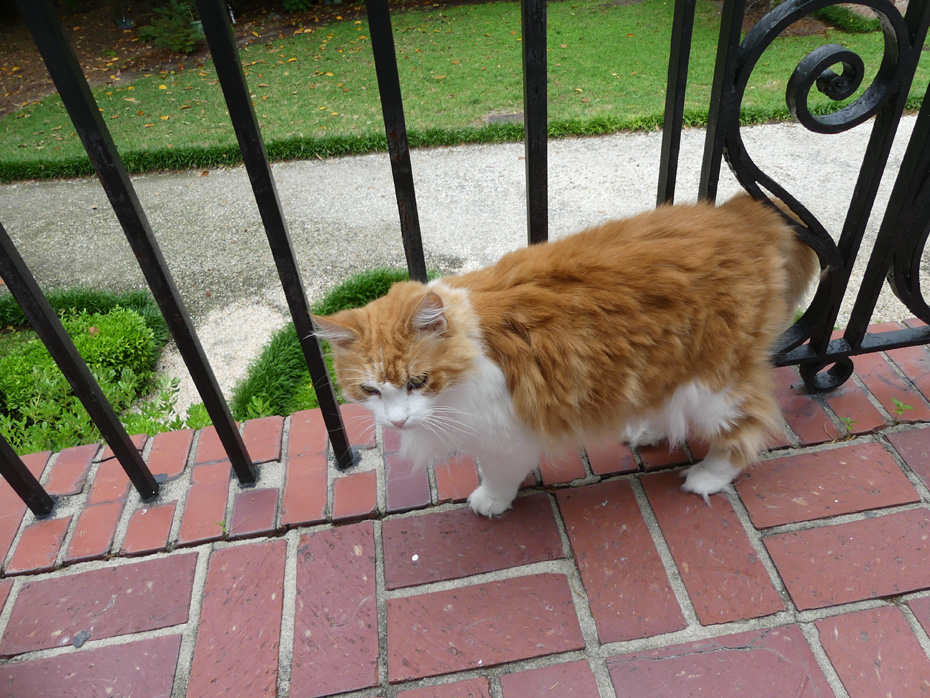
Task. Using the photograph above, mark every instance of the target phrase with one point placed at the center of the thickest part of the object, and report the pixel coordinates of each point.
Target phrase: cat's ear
(334, 332)
(430, 314)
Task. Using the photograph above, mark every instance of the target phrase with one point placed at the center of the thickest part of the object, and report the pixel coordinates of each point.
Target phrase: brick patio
(604, 580)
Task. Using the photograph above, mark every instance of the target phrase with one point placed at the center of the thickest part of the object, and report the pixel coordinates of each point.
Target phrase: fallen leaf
(291, 60)
(438, 77)
(165, 117)
(204, 173)
(162, 87)
(254, 33)
(130, 99)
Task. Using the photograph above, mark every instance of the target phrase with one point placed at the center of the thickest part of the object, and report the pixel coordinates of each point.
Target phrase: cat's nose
(399, 422)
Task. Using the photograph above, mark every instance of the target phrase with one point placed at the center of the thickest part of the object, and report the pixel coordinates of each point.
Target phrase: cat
(656, 326)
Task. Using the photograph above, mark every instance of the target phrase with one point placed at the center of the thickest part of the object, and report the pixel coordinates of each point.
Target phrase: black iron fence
(824, 362)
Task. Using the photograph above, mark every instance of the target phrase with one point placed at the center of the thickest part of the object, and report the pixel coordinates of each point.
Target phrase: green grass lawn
(315, 92)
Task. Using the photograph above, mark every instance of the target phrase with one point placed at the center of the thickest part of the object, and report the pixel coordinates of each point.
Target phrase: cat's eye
(417, 382)
(370, 390)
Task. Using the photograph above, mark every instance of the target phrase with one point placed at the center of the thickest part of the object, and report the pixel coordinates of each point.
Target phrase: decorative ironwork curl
(824, 377)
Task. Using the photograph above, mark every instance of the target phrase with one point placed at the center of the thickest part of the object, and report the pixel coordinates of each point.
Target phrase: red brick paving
(336, 622)
(148, 529)
(853, 408)
(355, 496)
(93, 534)
(454, 544)
(517, 627)
(823, 483)
(145, 667)
(883, 556)
(69, 471)
(571, 679)
(239, 632)
(776, 662)
(724, 577)
(304, 490)
(480, 626)
(623, 576)
(562, 469)
(103, 603)
(899, 398)
(168, 456)
(456, 479)
(39, 546)
(875, 653)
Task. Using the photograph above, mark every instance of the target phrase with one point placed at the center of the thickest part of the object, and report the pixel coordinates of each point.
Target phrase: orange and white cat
(657, 326)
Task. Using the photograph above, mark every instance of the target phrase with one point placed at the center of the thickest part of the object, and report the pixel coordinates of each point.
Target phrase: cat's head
(400, 352)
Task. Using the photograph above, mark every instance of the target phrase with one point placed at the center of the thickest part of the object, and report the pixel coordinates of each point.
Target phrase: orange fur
(596, 329)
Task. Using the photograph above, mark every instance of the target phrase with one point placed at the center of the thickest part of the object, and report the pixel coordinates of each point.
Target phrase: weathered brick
(254, 513)
(141, 668)
(204, 517)
(336, 619)
(407, 486)
(662, 456)
(562, 469)
(168, 456)
(459, 543)
(626, 584)
(100, 603)
(775, 662)
(712, 552)
(11, 506)
(914, 447)
(803, 413)
(391, 440)
(921, 609)
(480, 626)
(304, 500)
(610, 457)
(473, 688)
(240, 623)
(881, 556)
(38, 547)
(148, 529)
(914, 362)
(111, 484)
(307, 433)
(355, 496)
(360, 425)
(854, 409)
(875, 653)
(456, 479)
(571, 679)
(93, 534)
(262, 438)
(69, 471)
(138, 440)
(825, 483)
(899, 398)
(209, 447)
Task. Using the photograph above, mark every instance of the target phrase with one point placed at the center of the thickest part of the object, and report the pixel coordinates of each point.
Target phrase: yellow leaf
(185, 106)
(162, 87)
(149, 125)
(165, 117)
(578, 89)
(254, 33)
(438, 77)
(291, 60)
(338, 16)
(130, 99)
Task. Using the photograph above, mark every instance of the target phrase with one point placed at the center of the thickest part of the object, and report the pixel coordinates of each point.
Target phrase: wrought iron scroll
(838, 73)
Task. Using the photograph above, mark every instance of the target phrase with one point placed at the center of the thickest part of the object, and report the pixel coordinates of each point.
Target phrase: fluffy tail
(801, 263)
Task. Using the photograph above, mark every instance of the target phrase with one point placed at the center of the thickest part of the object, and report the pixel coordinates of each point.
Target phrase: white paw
(483, 502)
(709, 477)
(642, 434)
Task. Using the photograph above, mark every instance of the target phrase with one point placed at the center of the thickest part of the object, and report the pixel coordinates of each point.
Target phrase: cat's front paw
(483, 502)
(709, 477)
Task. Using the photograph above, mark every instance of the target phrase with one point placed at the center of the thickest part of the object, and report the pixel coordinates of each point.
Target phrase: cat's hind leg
(740, 438)
(643, 432)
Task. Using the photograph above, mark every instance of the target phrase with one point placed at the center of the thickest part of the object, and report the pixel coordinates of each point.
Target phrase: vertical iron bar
(678, 60)
(721, 96)
(23, 482)
(46, 324)
(902, 204)
(535, 118)
(395, 128)
(63, 66)
(238, 100)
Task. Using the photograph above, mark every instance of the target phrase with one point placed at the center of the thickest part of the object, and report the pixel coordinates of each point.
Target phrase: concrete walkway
(343, 218)
(604, 581)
